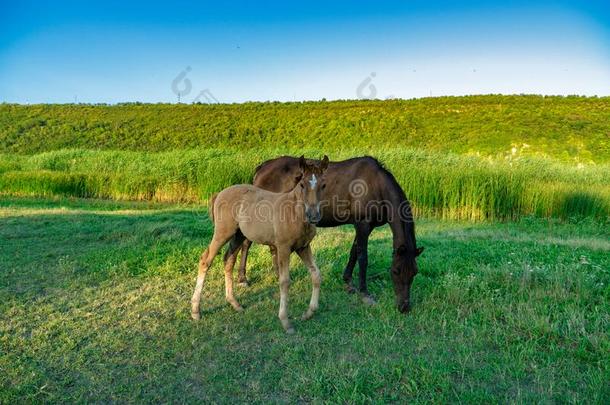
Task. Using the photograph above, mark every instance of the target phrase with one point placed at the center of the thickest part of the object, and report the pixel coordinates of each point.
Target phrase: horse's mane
(410, 229)
(268, 161)
(395, 185)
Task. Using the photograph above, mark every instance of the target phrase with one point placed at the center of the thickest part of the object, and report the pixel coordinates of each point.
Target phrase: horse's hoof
(243, 283)
(307, 315)
(350, 288)
(287, 325)
(195, 316)
(368, 300)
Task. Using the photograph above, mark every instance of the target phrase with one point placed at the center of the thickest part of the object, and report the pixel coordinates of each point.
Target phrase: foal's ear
(324, 164)
(302, 163)
(418, 251)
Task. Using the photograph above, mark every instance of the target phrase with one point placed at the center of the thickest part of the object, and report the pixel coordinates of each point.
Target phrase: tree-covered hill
(571, 129)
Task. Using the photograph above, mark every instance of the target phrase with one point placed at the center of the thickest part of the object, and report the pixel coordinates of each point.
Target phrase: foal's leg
(308, 259)
(349, 268)
(230, 258)
(273, 251)
(283, 261)
(363, 230)
(204, 264)
(245, 248)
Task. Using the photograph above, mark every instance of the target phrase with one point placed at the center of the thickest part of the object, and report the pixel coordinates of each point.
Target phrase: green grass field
(103, 219)
(474, 158)
(94, 297)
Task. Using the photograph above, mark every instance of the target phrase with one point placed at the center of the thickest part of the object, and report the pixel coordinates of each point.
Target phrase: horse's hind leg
(205, 262)
(349, 268)
(230, 258)
(363, 230)
(307, 257)
(245, 248)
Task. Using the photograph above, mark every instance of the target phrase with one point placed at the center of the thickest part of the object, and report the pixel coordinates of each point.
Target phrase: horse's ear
(302, 163)
(419, 251)
(324, 164)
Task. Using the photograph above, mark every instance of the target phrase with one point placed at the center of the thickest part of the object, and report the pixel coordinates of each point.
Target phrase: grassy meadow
(103, 217)
(475, 158)
(95, 302)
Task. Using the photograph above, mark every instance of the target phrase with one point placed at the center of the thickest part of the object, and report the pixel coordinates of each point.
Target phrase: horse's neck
(399, 232)
(403, 229)
(295, 196)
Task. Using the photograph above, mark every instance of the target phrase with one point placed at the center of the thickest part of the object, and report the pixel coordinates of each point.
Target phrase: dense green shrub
(570, 129)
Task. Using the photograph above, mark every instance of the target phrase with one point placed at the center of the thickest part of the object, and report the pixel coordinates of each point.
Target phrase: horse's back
(281, 174)
(353, 184)
(245, 194)
(278, 175)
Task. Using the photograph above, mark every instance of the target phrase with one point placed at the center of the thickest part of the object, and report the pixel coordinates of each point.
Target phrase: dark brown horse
(358, 191)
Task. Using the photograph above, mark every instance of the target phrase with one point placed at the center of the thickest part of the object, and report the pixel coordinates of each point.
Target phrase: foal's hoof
(287, 325)
(368, 300)
(350, 288)
(195, 316)
(307, 315)
(235, 305)
(243, 283)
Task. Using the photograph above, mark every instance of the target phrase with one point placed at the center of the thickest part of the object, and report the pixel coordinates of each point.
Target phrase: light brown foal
(283, 221)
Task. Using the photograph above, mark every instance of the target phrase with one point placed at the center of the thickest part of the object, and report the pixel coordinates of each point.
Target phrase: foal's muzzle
(313, 217)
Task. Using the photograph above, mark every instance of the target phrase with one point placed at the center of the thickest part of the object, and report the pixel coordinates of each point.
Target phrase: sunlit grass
(94, 297)
(569, 129)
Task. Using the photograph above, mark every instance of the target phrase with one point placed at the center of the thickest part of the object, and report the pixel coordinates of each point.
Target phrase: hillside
(569, 129)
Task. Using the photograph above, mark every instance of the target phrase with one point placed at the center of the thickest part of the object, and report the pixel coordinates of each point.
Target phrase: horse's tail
(211, 206)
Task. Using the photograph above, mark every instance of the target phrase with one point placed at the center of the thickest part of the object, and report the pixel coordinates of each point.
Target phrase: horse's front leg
(273, 252)
(309, 261)
(283, 261)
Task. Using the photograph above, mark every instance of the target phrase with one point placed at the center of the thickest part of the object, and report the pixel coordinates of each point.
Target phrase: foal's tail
(211, 206)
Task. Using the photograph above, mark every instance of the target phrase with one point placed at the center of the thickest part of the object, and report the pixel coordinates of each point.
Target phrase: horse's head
(312, 185)
(404, 269)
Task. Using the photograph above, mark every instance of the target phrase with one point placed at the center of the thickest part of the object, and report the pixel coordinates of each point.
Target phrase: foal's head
(312, 185)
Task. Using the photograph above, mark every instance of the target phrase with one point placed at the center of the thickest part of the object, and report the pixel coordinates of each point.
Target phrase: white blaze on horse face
(313, 182)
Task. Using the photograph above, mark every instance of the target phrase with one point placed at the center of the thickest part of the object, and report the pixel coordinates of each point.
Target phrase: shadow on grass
(581, 205)
(67, 244)
(54, 244)
(53, 247)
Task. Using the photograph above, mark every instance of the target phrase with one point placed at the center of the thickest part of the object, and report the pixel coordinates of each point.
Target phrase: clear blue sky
(112, 51)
